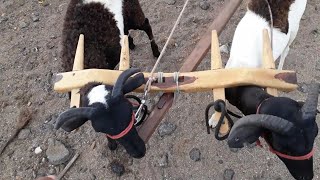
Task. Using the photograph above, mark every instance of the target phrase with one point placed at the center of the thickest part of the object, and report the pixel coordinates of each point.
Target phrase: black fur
(102, 41)
(247, 99)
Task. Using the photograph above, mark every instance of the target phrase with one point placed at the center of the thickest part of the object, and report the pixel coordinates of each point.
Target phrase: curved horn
(73, 118)
(249, 128)
(309, 109)
(117, 89)
(272, 123)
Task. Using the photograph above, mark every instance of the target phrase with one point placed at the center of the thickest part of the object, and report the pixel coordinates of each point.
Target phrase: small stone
(234, 150)
(3, 19)
(171, 2)
(195, 154)
(38, 150)
(166, 129)
(23, 24)
(220, 161)
(35, 17)
(163, 161)
(24, 134)
(228, 174)
(204, 5)
(57, 153)
(225, 49)
(21, 2)
(303, 87)
(92, 177)
(52, 171)
(117, 168)
(50, 45)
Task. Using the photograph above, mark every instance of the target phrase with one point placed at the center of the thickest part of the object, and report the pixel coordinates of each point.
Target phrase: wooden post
(219, 93)
(267, 59)
(78, 65)
(124, 56)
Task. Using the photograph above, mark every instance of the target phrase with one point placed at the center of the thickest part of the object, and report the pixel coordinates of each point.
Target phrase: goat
(109, 111)
(246, 49)
(287, 126)
(103, 23)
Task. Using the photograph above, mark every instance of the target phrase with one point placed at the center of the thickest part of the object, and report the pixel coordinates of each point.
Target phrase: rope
(219, 106)
(148, 84)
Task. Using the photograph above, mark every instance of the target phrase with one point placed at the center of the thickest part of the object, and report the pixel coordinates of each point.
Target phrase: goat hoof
(155, 51)
(132, 46)
(112, 146)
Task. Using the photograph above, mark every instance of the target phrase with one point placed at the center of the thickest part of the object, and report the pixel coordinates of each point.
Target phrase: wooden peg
(267, 59)
(219, 93)
(78, 65)
(124, 56)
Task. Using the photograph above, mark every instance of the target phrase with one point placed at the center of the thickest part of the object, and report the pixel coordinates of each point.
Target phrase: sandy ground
(30, 36)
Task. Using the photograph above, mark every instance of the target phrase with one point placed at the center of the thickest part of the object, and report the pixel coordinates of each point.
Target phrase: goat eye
(236, 139)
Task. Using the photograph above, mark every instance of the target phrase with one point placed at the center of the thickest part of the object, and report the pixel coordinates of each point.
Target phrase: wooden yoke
(218, 93)
(267, 59)
(77, 65)
(124, 56)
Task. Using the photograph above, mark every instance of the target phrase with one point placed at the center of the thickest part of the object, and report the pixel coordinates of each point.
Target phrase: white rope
(166, 44)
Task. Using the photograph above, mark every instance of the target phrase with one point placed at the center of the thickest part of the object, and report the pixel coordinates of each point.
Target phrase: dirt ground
(30, 36)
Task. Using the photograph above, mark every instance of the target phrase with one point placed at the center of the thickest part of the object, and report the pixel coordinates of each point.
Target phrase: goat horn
(272, 123)
(117, 89)
(73, 118)
(309, 109)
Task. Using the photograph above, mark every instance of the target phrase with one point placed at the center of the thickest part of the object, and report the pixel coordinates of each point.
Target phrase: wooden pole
(267, 59)
(199, 81)
(218, 93)
(125, 54)
(78, 65)
(190, 64)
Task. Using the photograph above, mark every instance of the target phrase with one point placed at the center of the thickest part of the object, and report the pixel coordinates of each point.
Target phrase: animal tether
(151, 78)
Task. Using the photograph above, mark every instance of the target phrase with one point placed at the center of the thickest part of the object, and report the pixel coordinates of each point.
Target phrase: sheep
(109, 111)
(103, 23)
(288, 127)
(246, 49)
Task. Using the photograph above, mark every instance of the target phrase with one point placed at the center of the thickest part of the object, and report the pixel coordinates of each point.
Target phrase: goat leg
(147, 28)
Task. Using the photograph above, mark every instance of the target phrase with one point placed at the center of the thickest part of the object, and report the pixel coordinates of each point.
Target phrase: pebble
(225, 48)
(163, 161)
(204, 5)
(21, 2)
(117, 168)
(52, 171)
(35, 17)
(228, 174)
(166, 128)
(92, 177)
(195, 154)
(171, 2)
(24, 134)
(3, 19)
(57, 153)
(220, 161)
(38, 150)
(234, 150)
(303, 87)
(50, 45)
(23, 24)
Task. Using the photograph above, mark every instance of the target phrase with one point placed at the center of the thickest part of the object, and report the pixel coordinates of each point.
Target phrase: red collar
(296, 158)
(125, 131)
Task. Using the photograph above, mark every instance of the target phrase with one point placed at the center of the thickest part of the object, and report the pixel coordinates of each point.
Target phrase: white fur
(246, 50)
(115, 7)
(98, 94)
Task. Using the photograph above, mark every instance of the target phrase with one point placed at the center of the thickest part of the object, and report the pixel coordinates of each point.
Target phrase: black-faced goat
(288, 127)
(103, 23)
(246, 50)
(109, 111)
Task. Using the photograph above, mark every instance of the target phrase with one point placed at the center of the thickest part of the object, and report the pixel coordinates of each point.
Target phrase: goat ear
(249, 128)
(73, 118)
(133, 83)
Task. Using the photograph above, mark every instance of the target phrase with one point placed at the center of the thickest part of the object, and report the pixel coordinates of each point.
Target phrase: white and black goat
(103, 23)
(109, 111)
(246, 50)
